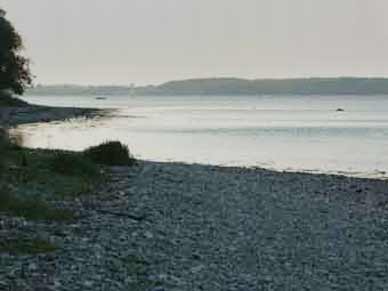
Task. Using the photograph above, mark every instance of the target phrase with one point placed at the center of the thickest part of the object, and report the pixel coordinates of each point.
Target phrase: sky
(152, 41)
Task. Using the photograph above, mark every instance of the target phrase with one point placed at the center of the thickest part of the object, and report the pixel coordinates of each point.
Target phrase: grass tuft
(31, 208)
(27, 247)
(111, 153)
(30, 178)
(53, 174)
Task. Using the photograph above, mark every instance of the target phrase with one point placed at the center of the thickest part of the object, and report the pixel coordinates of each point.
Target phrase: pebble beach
(171, 226)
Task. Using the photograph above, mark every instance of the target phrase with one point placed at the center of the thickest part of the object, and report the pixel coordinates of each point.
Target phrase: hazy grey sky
(152, 41)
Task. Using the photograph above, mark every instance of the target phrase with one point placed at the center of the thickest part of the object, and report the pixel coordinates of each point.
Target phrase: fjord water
(294, 133)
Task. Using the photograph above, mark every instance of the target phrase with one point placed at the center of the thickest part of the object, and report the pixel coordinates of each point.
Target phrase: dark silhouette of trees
(15, 73)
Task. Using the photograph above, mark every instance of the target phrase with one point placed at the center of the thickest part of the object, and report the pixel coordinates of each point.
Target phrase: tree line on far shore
(229, 87)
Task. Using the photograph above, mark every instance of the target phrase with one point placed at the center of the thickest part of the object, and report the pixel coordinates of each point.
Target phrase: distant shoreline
(228, 87)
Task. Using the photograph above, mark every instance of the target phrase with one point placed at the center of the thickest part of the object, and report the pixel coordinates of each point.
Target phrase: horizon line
(130, 84)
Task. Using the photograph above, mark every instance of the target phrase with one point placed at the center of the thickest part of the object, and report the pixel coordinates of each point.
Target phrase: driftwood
(121, 214)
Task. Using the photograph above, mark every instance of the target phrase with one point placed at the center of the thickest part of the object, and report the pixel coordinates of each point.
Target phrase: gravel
(170, 226)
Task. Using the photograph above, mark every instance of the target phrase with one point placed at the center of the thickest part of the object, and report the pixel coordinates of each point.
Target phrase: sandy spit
(11, 116)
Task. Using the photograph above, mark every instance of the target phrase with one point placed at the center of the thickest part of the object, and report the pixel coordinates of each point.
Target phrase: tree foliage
(15, 73)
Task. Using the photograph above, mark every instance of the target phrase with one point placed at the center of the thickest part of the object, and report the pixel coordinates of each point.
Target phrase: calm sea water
(294, 133)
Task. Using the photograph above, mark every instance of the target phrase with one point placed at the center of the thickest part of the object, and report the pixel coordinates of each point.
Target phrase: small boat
(340, 110)
(100, 98)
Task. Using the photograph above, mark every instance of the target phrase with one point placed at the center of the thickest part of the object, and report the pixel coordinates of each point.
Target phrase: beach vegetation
(7, 100)
(26, 246)
(73, 164)
(31, 208)
(30, 179)
(3, 139)
(4, 145)
(111, 153)
(56, 173)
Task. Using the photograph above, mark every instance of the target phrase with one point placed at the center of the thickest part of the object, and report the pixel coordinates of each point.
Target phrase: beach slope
(171, 226)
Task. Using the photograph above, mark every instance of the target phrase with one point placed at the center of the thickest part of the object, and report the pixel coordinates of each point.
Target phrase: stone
(149, 235)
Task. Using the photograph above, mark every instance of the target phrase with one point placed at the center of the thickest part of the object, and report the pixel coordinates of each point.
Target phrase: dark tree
(15, 73)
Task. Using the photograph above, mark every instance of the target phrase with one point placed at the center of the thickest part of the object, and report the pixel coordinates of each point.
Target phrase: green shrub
(73, 164)
(111, 153)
